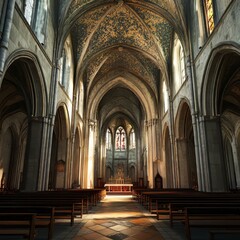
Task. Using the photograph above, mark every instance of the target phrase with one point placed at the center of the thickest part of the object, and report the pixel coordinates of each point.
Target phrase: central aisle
(117, 218)
(121, 217)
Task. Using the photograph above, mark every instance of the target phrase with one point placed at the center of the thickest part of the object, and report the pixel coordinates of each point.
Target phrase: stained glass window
(120, 139)
(209, 15)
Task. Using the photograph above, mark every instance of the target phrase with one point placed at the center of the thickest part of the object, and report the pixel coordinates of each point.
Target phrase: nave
(121, 217)
(118, 217)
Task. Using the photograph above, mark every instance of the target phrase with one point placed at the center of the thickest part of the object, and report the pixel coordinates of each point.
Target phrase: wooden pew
(18, 224)
(68, 204)
(155, 200)
(64, 209)
(44, 216)
(176, 209)
(211, 217)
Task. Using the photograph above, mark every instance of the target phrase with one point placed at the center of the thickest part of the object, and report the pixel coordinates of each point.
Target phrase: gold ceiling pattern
(122, 37)
(120, 59)
(122, 27)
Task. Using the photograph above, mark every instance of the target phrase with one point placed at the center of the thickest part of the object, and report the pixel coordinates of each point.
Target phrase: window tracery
(120, 139)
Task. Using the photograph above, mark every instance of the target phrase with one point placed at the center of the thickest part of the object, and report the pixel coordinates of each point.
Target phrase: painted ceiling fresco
(131, 36)
(120, 59)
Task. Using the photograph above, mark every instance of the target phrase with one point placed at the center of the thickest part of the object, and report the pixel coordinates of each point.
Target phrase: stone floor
(117, 218)
(121, 217)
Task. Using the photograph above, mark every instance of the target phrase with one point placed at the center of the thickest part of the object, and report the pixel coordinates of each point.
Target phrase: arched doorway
(221, 101)
(59, 167)
(185, 148)
(22, 97)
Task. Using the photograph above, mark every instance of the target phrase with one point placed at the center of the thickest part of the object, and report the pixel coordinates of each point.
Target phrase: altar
(119, 183)
(119, 187)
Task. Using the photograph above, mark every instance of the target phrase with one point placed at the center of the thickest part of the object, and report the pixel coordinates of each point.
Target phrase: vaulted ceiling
(122, 38)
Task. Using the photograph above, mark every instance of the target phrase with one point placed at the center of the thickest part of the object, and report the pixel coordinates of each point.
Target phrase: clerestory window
(108, 139)
(132, 139)
(209, 15)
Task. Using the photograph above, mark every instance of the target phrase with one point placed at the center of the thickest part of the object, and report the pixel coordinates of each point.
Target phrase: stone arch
(217, 76)
(185, 151)
(32, 70)
(58, 177)
(135, 86)
(221, 90)
(23, 106)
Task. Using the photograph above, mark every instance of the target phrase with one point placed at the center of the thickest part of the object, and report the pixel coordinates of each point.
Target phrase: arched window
(81, 99)
(182, 64)
(108, 139)
(40, 20)
(178, 64)
(132, 139)
(66, 66)
(29, 10)
(35, 13)
(165, 97)
(65, 69)
(209, 15)
(120, 139)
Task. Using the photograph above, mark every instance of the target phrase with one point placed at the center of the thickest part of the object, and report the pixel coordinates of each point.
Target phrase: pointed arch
(31, 68)
(60, 164)
(185, 150)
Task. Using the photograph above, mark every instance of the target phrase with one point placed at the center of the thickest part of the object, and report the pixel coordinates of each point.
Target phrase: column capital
(151, 122)
(92, 123)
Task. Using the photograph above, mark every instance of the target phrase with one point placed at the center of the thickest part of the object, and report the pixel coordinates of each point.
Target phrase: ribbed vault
(122, 50)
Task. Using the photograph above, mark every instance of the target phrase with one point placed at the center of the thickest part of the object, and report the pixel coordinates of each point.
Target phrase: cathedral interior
(92, 92)
(135, 97)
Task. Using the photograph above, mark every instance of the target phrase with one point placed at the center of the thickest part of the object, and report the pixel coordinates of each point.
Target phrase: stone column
(152, 149)
(148, 150)
(195, 123)
(50, 120)
(43, 162)
(156, 144)
(33, 154)
(213, 158)
(182, 163)
(236, 162)
(91, 153)
(6, 35)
